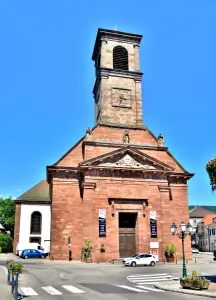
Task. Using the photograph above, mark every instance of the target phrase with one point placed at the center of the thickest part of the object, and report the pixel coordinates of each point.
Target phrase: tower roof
(116, 35)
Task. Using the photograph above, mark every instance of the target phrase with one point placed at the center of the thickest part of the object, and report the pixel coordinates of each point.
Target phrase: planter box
(194, 284)
(170, 259)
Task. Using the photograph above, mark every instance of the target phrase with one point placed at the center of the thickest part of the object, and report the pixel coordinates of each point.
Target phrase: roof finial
(115, 28)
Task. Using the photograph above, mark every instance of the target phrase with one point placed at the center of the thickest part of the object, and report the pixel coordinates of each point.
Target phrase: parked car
(22, 246)
(32, 253)
(195, 250)
(144, 259)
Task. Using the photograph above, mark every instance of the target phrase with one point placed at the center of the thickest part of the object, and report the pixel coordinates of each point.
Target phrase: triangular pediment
(128, 158)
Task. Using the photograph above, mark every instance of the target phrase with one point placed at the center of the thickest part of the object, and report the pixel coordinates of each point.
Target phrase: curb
(161, 286)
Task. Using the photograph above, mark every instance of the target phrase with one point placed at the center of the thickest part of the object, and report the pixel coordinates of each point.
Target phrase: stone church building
(118, 186)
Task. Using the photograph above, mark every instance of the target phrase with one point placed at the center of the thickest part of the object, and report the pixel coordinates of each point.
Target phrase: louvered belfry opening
(120, 58)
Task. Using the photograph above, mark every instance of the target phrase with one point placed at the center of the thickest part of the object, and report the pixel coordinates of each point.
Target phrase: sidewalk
(5, 290)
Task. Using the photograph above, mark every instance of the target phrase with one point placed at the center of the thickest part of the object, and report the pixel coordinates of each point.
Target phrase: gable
(128, 158)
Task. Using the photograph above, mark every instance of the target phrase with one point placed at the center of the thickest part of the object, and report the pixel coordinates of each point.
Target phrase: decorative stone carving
(126, 137)
(160, 140)
(89, 134)
(127, 162)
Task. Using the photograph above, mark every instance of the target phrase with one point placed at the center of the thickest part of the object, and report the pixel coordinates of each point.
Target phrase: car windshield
(135, 255)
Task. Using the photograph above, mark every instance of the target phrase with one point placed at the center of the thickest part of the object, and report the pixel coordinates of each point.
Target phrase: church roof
(199, 212)
(38, 193)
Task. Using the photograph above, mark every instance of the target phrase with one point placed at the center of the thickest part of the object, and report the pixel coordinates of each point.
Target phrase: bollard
(16, 286)
(12, 284)
(195, 260)
(176, 261)
(9, 277)
(164, 261)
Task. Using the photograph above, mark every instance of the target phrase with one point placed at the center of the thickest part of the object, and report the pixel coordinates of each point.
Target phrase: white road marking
(145, 283)
(73, 289)
(62, 275)
(148, 275)
(51, 290)
(152, 278)
(148, 288)
(28, 291)
(130, 288)
(5, 270)
(148, 280)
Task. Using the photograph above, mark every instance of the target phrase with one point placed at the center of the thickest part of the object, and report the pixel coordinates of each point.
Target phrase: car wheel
(133, 264)
(26, 256)
(152, 263)
(42, 256)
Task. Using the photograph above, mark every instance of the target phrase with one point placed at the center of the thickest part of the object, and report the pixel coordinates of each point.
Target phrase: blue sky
(47, 77)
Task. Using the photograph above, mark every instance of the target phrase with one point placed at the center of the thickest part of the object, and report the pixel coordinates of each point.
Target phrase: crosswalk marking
(148, 288)
(150, 280)
(28, 291)
(51, 290)
(149, 275)
(73, 289)
(131, 288)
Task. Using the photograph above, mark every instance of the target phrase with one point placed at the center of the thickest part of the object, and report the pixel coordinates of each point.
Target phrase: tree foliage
(7, 214)
(6, 243)
(211, 170)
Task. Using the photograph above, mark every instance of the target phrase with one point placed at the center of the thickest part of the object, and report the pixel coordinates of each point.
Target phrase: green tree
(6, 243)
(211, 170)
(7, 214)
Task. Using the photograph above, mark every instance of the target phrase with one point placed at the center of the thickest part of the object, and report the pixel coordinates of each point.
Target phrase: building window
(213, 231)
(120, 58)
(35, 239)
(36, 220)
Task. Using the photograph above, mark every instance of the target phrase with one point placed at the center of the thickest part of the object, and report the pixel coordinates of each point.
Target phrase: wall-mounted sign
(154, 245)
(155, 252)
(153, 224)
(102, 222)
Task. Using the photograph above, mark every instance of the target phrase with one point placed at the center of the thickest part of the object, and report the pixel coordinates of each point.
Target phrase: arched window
(120, 58)
(36, 222)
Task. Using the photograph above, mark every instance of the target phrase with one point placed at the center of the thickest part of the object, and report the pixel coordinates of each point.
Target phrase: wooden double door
(127, 242)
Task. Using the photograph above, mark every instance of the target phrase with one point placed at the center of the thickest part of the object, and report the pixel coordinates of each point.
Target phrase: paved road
(41, 280)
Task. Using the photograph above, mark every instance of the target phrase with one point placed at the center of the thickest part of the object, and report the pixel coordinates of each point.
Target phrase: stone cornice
(51, 170)
(106, 72)
(118, 145)
(114, 35)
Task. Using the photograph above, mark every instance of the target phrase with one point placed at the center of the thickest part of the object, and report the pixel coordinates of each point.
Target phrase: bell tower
(117, 89)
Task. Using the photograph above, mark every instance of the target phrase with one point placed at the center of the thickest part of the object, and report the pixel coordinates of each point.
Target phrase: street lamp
(185, 230)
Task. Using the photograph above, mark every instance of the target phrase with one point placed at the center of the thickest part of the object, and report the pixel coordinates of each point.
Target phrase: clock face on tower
(121, 97)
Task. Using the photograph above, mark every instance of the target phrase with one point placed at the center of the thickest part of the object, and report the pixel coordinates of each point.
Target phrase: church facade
(118, 186)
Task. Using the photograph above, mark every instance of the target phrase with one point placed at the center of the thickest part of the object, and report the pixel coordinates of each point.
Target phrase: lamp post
(185, 230)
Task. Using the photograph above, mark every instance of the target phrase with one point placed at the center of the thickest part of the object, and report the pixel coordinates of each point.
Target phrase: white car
(195, 250)
(143, 259)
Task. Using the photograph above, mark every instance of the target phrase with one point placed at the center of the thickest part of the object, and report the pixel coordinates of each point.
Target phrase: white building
(212, 235)
(196, 215)
(33, 218)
